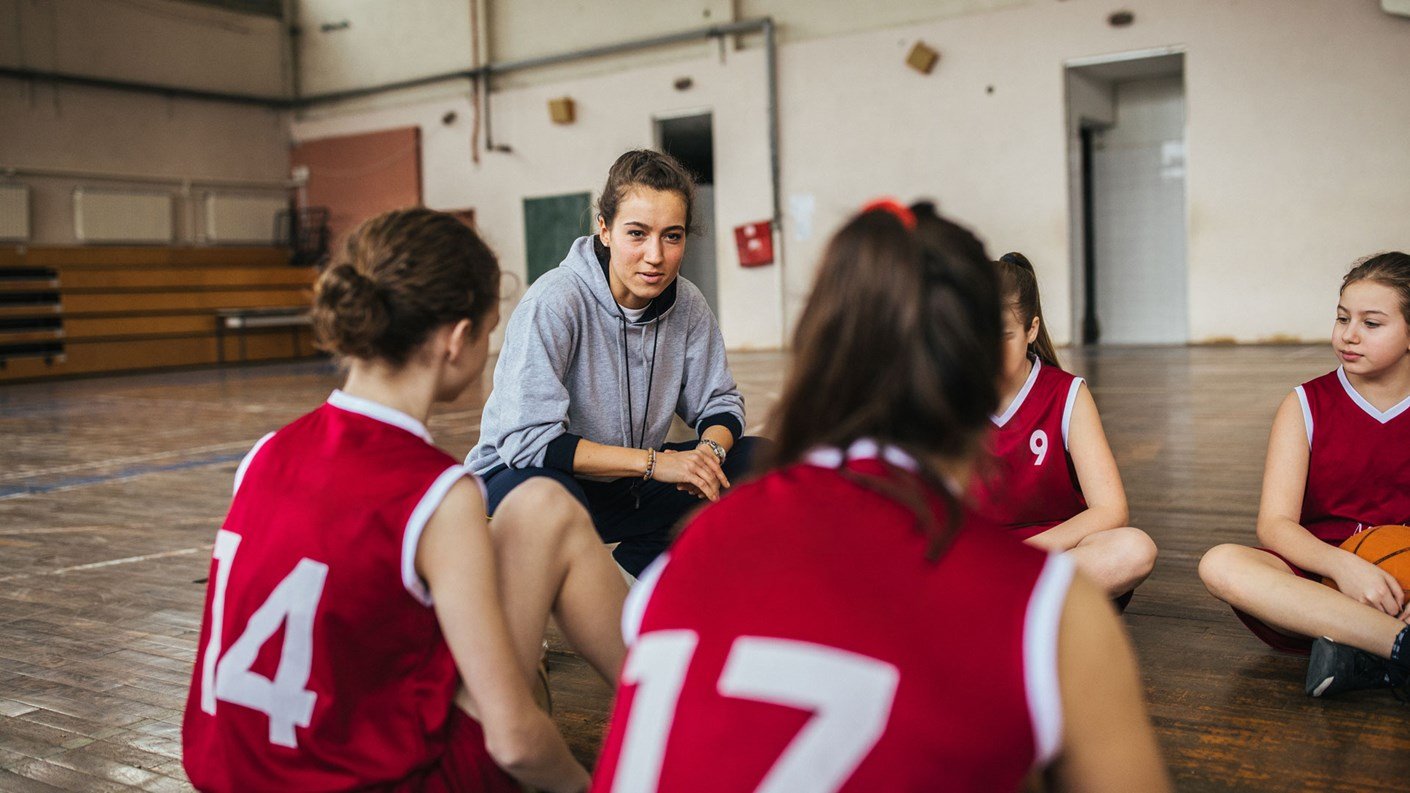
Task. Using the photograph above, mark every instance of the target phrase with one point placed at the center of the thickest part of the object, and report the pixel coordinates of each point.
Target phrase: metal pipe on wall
(479, 73)
(481, 76)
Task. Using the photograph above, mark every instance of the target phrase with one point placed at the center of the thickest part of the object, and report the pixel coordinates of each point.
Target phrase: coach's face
(647, 243)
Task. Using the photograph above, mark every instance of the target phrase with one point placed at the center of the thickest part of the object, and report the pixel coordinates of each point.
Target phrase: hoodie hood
(572, 367)
(589, 260)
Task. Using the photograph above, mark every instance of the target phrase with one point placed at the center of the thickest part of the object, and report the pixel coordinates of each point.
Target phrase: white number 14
(285, 699)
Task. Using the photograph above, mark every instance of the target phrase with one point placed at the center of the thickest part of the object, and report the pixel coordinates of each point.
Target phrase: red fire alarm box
(756, 243)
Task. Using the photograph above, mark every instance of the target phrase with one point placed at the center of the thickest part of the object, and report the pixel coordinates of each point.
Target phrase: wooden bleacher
(84, 310)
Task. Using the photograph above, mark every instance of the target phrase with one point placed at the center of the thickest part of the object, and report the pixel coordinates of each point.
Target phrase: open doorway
(1127, 143)
(691, 139)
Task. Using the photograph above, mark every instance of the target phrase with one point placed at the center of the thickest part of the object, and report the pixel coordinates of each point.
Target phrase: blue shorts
(641, 516)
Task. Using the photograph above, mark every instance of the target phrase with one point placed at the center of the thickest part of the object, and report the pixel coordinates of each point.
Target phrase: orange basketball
(1387, 547)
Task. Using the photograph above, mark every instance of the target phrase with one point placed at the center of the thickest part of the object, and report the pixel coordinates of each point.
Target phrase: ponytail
(1019, 285)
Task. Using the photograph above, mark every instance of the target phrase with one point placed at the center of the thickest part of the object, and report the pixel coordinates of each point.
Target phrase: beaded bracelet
(650, 463)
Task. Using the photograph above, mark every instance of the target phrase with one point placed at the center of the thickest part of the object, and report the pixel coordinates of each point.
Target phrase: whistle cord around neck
(650, 379)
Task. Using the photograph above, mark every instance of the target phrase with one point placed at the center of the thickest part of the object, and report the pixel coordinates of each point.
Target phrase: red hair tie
(896, 208)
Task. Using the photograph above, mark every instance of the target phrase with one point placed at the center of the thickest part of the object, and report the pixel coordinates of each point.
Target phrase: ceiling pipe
(483, 74)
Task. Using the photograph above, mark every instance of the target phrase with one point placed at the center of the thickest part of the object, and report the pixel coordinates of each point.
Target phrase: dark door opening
(691, 140)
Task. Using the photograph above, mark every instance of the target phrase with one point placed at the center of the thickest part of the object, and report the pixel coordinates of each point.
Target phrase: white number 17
(850, 696)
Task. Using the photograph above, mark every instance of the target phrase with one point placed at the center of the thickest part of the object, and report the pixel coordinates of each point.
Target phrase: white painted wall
(614, 113)
(147, 41)
(1297, 162)
(384, 42)
(1296, 154)
(99, 131)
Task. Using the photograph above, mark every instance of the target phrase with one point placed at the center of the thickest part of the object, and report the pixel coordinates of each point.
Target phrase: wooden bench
(242, 320)
(111, 309)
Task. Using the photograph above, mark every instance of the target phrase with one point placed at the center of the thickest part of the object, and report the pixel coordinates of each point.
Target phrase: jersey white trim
(1306, 413)
(1040, 662)
(1379, 415)
(861, 449)
(376, 410)
(1067, 408)
(634, 609)
(245, 463)
(1017, 402)
(416, 524)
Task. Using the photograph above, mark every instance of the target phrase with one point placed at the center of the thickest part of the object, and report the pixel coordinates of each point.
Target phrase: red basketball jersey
(796, 638)
(321, 665)
(1358, 467)
(1032, 485)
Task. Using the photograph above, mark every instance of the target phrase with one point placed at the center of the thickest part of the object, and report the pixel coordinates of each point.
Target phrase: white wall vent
(122, 216)
(242, 219)
(14, 212)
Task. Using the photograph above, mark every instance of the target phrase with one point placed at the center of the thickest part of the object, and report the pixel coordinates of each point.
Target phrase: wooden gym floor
(111, 491)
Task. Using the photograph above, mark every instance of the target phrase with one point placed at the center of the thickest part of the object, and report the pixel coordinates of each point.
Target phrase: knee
(543, 508)
(1216, 569)
(1130, 551)
(1139, 549)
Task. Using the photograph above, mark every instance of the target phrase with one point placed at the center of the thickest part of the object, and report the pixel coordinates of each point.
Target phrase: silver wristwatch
(718, 450)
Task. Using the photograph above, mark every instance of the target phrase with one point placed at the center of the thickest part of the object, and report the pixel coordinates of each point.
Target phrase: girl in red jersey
(365, 626)
(1054, 482)
(876, 637)
(1338, 462)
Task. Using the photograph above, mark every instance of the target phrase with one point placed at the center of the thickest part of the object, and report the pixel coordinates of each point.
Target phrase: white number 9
(1038, 444)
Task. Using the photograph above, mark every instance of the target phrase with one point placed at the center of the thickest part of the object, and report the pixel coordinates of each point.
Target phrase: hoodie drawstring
(650, 378)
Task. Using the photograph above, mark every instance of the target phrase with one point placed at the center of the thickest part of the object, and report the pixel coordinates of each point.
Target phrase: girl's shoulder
(556, 291)
(1055, 382)
(1330, 380)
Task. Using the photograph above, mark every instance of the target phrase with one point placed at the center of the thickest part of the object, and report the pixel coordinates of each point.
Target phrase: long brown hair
(1019, 285)
(401, 275)
(899, 343)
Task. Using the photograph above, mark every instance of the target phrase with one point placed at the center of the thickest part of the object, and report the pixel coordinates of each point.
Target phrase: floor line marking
(111, 562)
(8, 492)
(135, 458)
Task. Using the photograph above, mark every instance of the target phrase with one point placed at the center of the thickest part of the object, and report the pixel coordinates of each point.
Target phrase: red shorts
(1279, 640)
(1031, 530)
(466, 766)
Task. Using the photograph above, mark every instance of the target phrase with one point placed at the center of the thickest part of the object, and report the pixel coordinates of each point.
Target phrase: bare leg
(550, 559)
(1262, 585)
(1118, 560)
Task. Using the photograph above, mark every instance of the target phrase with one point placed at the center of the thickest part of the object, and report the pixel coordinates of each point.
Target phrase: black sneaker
(1334, 668)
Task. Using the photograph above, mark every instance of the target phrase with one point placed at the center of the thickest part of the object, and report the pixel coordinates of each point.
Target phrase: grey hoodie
(560, 375)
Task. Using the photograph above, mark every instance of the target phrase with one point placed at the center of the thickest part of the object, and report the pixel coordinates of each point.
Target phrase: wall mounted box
(922, 58)
(561, 110)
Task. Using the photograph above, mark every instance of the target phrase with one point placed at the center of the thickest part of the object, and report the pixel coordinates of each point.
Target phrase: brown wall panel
(359, 176)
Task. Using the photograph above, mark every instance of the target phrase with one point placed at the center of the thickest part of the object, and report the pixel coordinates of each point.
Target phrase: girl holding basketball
(1338, 463)
(362, 627)
(847, 653)
(1054, 482)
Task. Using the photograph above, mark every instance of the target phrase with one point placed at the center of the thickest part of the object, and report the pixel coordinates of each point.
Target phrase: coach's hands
(1369, 584)
(697, 472)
